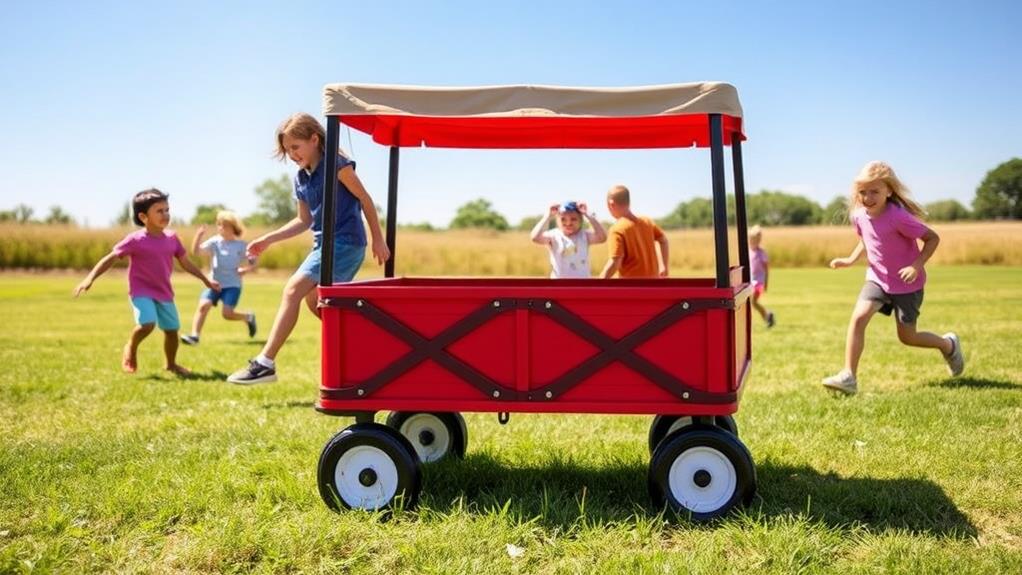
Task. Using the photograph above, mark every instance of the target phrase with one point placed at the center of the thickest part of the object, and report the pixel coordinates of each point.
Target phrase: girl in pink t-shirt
(759, 273)
(889, 227)
(151, 252)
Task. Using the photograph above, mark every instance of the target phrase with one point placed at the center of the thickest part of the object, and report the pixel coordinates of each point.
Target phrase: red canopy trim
(662, 131)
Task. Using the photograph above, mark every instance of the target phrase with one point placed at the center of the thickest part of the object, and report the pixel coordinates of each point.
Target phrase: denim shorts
(347, 259)
(906, 305)
(229, 295)
(163, 313)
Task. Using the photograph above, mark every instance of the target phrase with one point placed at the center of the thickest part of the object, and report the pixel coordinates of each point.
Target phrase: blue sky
(102, 99)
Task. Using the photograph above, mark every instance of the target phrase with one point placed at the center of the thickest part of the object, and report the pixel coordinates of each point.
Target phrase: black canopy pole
(741, 219)
(333, 137)
(719, 200)
(392, 211)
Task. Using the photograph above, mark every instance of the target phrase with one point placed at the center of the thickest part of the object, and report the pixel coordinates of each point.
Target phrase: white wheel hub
(366, 477)
(702, 479)
(429, 435)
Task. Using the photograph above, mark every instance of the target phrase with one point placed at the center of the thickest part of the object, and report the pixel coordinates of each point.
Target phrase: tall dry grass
(487, 253)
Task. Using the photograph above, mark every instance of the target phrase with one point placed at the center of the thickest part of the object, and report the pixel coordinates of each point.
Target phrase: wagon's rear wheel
(369, 466)
(664, 425)
(434, 435)
(701, 471)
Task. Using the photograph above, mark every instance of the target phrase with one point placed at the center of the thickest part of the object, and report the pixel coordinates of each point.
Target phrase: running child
(888, 224)
(568, 243)
(303, 139)
(633, 240)
(227, 254)
(151, 252)
(759, 271)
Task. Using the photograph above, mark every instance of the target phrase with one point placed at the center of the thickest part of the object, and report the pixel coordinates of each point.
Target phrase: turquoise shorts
(162, 313)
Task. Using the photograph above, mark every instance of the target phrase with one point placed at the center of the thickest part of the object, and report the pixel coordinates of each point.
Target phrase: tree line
(998, 197)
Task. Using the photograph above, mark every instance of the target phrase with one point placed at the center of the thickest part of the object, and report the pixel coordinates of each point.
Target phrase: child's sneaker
(770, 319)
(254, 373)
(955, 360)
(190, 339)
(844, 382)
(250, 321)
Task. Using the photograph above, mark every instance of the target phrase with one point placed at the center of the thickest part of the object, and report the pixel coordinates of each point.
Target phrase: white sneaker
(956, 359)
(844, 382)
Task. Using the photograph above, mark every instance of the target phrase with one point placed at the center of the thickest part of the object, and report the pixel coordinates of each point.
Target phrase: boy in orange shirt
(631, 241)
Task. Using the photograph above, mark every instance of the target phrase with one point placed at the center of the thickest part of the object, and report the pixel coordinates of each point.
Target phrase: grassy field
(483, 252)
(102, 471)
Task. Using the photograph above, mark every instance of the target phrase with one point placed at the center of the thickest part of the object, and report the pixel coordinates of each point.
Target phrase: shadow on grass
(560, 493)
(975, 383)
(212, 375)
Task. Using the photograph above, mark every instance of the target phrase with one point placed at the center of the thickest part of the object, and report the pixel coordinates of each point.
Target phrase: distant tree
(206, 213)
(58, 216)
(478, 214)
(528, 222)
(419, 227)
(124, 217)
(276, 202)
(776, 208)
(1000, 193)
(21, 214)
(947, 211)
(695, 213)
(836, 211)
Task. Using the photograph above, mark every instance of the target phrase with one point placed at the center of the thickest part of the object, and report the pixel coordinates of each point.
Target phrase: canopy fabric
(668, 116)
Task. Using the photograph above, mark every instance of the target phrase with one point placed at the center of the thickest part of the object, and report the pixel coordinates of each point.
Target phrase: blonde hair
(230, 218)
(756, 231)
(620, 196)
(881, 172)
(303, 127)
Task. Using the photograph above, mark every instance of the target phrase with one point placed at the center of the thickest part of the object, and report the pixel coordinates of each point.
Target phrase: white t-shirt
(226, 257)
(569, 255)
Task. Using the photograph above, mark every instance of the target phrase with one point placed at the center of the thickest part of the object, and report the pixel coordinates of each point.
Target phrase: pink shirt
(151, 259)
(891, 244)
(757, 265)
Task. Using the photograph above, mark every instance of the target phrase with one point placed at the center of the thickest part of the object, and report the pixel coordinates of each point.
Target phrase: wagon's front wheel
(664, 425)
(434, 435)
(701, 471)
(369, 466)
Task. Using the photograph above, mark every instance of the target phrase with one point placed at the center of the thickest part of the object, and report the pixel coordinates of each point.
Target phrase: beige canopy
(672, 115)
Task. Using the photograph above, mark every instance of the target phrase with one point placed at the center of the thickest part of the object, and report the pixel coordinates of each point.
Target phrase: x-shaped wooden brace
(623, 350)
(424, 348)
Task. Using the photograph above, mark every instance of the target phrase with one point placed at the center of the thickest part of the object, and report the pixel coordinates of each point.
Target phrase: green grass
(102, 471)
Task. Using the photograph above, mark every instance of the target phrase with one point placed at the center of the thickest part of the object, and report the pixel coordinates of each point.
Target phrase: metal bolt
(549, 394)
(496, 393)
(684, 395)
(684, 305)
(361, 392)
(496, 303)
(548, 305)
(359, 303)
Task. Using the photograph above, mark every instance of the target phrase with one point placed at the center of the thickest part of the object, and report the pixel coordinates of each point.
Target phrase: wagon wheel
(369, 466)
(434, 435)
(664, 425)
(701, 471)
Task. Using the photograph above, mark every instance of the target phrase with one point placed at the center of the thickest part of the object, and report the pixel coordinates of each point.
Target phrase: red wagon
(427, 349)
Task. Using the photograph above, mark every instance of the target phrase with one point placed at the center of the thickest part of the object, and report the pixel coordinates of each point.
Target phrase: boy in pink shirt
(151, 252)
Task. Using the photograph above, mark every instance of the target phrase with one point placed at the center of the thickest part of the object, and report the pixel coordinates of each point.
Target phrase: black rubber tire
(662, 424)
(393, 444)
(453, 424)
(721, 443)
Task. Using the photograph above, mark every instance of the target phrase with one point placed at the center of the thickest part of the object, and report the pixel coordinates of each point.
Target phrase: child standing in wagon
(568, 243)
(887, 222)
(759, 271)
(227, 254)
(151, 252)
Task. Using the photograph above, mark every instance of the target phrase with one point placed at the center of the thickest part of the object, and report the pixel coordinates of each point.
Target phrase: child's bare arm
(197, 239)
(188, 266)
(599, 235)
(665, 256)
(541, 226)
(610, 268)
(381, 252)
(930, 239)
(99, 269)
(299, 224)
(851, 259)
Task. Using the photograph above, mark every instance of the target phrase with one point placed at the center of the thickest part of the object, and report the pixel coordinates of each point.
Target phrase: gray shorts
(906, 304)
